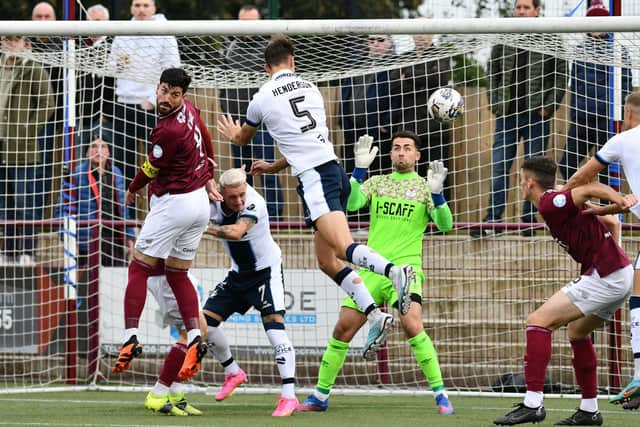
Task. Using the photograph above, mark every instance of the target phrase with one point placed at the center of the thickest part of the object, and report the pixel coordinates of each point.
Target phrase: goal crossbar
(336, 26)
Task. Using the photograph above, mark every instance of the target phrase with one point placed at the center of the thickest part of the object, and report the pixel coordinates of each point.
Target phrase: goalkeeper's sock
(537, 357)
(634, 306)
(160, 389)
(332, 361)
(353, 285)
(427, 359)
(364, 256)
(584, 366)
(171, 366)
(135, 295)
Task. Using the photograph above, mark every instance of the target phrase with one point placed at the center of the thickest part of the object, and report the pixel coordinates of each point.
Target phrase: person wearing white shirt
(624, 148)
(293, 111)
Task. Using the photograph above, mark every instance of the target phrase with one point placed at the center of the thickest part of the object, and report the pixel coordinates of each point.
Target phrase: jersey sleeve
(162, 149)
(442, 217)
(254, 209)
(357, 197)
(610, 151)
(254, 112)
(557, 206)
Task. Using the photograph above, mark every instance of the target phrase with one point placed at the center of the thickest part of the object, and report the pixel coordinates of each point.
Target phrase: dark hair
(535, 3)
(248, 7)
(407, 134)
(279, 50)
(543, 170)
(176, 77)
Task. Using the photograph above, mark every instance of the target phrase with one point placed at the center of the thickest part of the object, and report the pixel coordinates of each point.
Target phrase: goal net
(69, 99)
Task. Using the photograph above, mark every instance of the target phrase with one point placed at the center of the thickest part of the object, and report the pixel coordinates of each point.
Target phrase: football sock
(285, 356)
(160, 389)
(533, 399)
(332, 361)
(427, 359)
(176, 387)
(192, 334)
(585, 365)
(135, 295)
(353, 285)
(589, 405)
(186, 297)
(363, 256)
(128, 333)
(172, 364)
(220, 349)
(537, 357)
(634, 306)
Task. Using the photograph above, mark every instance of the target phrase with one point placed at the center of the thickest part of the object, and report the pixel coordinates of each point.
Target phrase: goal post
(375, 77)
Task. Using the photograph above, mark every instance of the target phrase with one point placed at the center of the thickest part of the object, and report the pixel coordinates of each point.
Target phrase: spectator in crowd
(138, 61)
(96, 192)
(525, 89)
(26, 102)
(95, 91)
(591, 96)
(418, 82)
(44, 11)
(245, 54)
(370, 104)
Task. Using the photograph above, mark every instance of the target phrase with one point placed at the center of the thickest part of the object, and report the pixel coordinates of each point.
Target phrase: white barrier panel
(312, 303)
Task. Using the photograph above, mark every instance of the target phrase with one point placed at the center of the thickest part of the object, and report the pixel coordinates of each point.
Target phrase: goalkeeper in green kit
(400, 205)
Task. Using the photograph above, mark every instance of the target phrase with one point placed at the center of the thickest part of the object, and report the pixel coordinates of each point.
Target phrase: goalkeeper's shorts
(382, 289)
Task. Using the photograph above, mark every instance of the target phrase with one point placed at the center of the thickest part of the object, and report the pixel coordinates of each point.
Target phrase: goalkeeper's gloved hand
(436, 176)
(364, 155)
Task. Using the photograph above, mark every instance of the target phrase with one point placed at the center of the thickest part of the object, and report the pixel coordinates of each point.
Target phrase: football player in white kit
(255, 280)
(293, 111)
(625, 148)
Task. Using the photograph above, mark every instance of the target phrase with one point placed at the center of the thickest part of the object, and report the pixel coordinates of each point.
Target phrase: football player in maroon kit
(605, 282)
(179, 170)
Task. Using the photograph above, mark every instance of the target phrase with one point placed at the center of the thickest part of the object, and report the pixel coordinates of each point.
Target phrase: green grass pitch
(102, 408)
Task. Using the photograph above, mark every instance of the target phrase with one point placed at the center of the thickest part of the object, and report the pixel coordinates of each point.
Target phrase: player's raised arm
(585, 174)
(364, 155)
(235, 133)
(582, 194)
(260, 167)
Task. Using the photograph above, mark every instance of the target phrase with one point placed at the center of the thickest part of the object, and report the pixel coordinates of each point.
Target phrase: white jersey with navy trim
(292, 109)
(625, 148)
(256, 250)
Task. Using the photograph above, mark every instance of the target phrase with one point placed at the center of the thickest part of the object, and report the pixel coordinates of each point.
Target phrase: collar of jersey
(398, 175)
(283, 73)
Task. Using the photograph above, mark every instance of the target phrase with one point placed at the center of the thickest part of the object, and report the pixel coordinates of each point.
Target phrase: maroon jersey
(584, 237)
(178, 150)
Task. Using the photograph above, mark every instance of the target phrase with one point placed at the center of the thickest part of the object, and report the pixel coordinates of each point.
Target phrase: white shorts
(161, 290)
(174, 225)
(601, 296)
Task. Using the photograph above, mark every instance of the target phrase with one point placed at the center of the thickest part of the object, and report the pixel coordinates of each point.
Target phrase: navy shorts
(238, 292)
(323, 189)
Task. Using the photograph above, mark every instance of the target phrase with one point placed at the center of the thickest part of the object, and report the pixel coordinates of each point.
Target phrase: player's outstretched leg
(379, 328)
(631, 391)
(582, 418)
(195, 353)
(129, 350)
(234, 376)
(402, 278)
(521, 414)
(162, 404)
